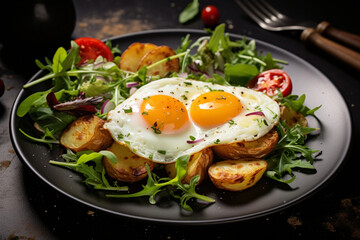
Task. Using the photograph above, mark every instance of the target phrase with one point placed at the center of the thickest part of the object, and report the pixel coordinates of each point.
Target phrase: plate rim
(297, 200)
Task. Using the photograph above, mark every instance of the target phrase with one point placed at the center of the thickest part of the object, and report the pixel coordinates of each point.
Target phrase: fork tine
(252, 12)
(272, 10)
(263, 7)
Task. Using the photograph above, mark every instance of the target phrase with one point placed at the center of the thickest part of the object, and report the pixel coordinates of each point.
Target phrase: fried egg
(171, 117)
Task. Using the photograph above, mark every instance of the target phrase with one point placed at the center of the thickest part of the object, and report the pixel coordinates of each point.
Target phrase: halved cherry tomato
(91, 48)
(272, 81)
(210, 15)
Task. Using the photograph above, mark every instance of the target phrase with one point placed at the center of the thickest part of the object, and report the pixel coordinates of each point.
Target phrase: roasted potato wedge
(292, 117)
(198, 165)
(129, 167)
(237, 175)
(255, 149)
(86, 133)
(131, 57)
(156, 55)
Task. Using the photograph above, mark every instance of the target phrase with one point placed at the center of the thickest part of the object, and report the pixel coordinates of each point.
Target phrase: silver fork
(268, 18)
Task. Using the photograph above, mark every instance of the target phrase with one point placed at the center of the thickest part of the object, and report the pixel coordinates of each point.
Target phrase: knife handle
(349, 39)
(346, 55)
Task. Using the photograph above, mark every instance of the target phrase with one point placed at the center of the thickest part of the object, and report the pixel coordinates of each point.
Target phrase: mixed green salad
(98, 85)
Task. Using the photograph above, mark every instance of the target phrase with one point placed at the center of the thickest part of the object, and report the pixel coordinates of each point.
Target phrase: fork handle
(349, 39)
(346, 55)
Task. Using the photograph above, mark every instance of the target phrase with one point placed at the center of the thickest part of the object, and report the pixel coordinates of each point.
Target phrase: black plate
(264, 198)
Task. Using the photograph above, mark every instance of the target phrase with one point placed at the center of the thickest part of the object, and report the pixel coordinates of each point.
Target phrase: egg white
(130, 128)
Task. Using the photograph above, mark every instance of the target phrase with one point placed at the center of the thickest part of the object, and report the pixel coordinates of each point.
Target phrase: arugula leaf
(296, 103)
(290, 152)
(154, 186)
(217, 40)
(189, 12)
(94, 175)
(72, 57)
(25, 105)
(54, 120)
(59, 57)
(48, 138)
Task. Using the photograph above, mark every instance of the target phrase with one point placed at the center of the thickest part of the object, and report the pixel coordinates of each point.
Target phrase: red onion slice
(256, 113)
(132, 90)
(107, 106)
(131, 84)
(195, 141)
(183, 75)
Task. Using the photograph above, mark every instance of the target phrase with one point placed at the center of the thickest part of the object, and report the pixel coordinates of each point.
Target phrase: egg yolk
(164, 114)
(214, 108)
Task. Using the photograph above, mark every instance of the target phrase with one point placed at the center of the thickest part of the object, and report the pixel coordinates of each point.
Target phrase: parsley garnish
(231, 122)
(161, 152)
(156, 128)
(129, 110)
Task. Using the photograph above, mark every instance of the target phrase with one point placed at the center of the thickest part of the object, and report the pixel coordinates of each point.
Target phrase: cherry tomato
(91, 48)
(210, 15)
(271, 81)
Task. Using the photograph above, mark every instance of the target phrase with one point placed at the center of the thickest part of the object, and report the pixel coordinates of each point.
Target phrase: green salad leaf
(296, 103)
(154, 185)
(189, 12)
(214, 58)
(240, 74)
(290, 153)
(94, 173)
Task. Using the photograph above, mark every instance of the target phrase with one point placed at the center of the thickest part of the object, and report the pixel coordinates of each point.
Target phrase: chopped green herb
(274, 114)
(129, 110)
(232, 122)
(162, 152)
(156, 128)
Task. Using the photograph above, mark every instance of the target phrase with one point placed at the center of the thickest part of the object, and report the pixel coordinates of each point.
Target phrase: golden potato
(237, 175)
(129, 167)
(256, 149)
(131, 57)
(86, 133)
(291, 117)
(198, 165)
(156, 55)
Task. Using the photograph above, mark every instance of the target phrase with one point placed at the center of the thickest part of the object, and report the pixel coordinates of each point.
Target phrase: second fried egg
(171, 117)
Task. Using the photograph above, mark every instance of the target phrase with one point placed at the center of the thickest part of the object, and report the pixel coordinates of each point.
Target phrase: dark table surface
(30, 209)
